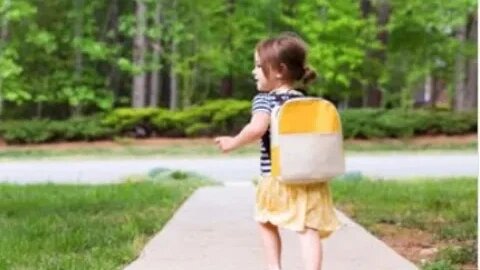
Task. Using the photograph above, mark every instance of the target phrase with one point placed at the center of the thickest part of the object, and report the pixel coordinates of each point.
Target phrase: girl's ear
(278, 72)
(283, 70)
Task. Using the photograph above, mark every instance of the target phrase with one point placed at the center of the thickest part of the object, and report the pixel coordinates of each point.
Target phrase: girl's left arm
(251, 132)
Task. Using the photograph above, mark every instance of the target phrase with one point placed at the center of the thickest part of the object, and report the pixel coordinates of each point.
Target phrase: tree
(339, 38)
(466, 69)
(372, 96)
(78, 4)
(173, 64)
(61, 58)
(422, 44)
(3, 39)
(139, 51)
(156, 48)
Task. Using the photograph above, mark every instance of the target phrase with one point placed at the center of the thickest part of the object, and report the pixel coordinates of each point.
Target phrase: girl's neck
(281, 88)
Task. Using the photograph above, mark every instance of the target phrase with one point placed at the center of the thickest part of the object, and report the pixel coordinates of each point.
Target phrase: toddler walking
(280, 71)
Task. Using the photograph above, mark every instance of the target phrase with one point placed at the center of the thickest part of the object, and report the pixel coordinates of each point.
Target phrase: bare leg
(272, 245)
(311, 249)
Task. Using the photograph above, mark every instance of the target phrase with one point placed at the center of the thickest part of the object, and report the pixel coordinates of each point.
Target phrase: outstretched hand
(225, 143)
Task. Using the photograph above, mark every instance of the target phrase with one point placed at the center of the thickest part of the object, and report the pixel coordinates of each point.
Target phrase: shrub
(126, 120)
(225, 117)
(39, 131)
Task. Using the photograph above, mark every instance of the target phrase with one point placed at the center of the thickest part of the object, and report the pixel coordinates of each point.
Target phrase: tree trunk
(372, 93)
(78, 35)
(226, 84)
(173, 75)
(173, 80)
(139, 51)
(3, 40)
(428, 90)
(157, 47)
(367, 89)
(113, 74)
(460, 65)
(472, 66)
(165, 83)
(436, 87)
(39, 110)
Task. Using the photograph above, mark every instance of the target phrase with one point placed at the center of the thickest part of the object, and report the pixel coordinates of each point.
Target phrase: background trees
(64, 58)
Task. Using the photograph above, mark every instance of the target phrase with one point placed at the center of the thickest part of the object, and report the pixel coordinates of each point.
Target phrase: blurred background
(82, 63)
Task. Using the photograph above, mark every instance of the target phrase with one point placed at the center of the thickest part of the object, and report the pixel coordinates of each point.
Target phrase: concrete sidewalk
(215, 230)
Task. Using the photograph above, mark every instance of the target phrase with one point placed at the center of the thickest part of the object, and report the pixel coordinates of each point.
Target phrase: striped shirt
(265, 102)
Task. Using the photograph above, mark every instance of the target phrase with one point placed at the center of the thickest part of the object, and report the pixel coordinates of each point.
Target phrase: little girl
(280, 67)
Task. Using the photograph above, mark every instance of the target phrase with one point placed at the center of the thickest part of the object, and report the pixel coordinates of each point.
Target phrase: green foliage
(360, 124)
(459, 254)
(422, 42)
(75, 57)
(125, 119)
(339, 39)
(82, 129)
(229, 116)
(40, 131)
(371, 123)
(199, 129)
(213, 117)
(438, 265)
(27, 131)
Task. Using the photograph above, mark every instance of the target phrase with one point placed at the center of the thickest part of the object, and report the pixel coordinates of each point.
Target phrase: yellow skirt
(296, 207)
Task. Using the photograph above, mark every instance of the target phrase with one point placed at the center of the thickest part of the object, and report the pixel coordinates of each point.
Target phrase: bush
(231, 117)
(228, 116)
(27, 131)
(213, 117)
(361, 123)
(85, 129)
(370, 123)
(170, 124)
(132, 121)
(39, 131)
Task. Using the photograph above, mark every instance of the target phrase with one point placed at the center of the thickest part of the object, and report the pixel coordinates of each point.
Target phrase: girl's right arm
(254, 130)
(251, 132)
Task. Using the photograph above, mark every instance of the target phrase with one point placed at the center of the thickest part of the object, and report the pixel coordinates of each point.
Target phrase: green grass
(408, 146)
(178, 149)
(104, 227)
(85, 227)
(172, 150)
(447, 209)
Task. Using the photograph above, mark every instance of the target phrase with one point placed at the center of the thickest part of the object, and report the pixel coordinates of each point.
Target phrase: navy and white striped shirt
(265, 102)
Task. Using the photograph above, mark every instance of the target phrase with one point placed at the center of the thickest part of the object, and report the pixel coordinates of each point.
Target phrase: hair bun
(309, 76)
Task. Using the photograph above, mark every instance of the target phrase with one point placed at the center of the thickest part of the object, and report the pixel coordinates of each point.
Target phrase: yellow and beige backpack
(306, 141)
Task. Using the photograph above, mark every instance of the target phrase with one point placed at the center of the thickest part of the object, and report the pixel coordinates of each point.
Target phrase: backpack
(306, 141)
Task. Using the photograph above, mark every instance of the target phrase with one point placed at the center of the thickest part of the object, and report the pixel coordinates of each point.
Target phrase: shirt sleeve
(260, 104)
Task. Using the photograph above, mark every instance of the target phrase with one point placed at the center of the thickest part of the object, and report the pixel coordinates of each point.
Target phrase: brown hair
(287, 49)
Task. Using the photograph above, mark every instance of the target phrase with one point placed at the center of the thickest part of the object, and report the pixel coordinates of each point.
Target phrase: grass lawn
(431, 222)
(85, 227)
(205, 147)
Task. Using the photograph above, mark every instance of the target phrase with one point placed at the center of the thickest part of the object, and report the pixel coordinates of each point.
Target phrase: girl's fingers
(218, 140)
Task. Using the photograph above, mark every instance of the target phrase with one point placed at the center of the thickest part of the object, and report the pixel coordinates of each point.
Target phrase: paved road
(230, 169)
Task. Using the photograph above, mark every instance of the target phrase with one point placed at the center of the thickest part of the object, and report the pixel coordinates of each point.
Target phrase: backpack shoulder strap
(280, 98)
(283, 97)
